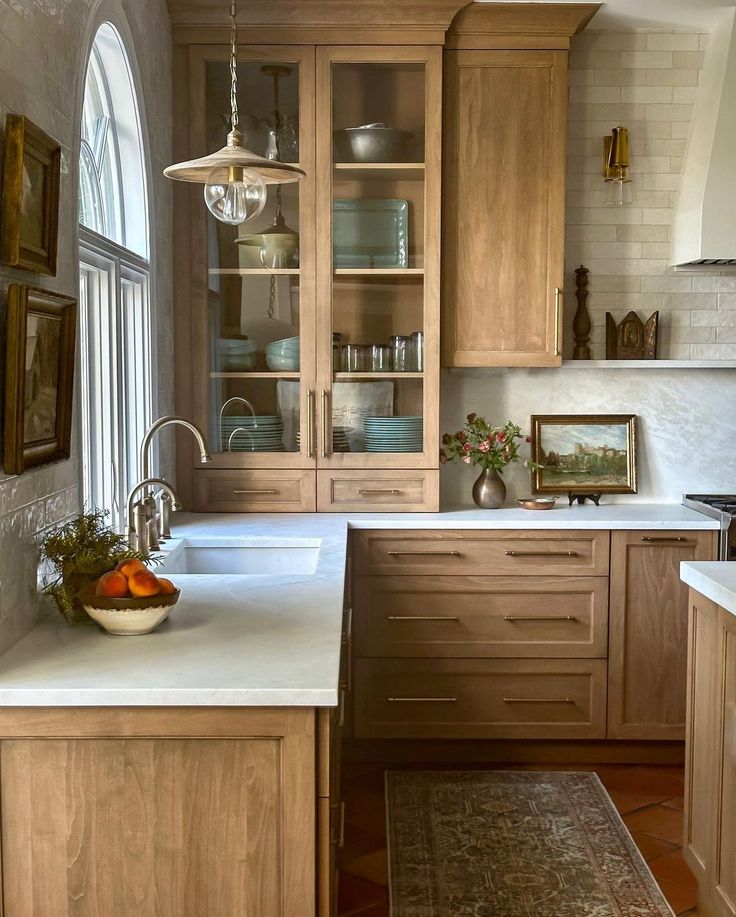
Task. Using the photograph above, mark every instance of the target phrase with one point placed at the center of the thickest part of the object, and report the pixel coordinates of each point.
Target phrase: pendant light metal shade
(218, 166)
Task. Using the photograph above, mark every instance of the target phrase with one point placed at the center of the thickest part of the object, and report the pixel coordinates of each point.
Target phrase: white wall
(43, 51)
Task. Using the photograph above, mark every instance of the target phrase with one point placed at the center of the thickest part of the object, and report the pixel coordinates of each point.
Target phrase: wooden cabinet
(291, 423)
(505, 98)
(648, 631)
(710, 785)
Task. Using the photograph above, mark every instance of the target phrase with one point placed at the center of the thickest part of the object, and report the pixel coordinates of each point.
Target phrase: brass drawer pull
(365, 493)
(422, 700)
(540, 618)
(326, 423)
(265, 490)
(424, 553)
(541, 553)
(663, 538)
(310, 423)
(558, 310)
(538, 700)
(422, 618)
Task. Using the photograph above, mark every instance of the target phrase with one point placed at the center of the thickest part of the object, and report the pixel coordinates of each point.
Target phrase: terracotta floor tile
(643, 780)
(658, 821)
(652, 847)
(672, 868)
(359, 842)
(372, 866)
(626, 801)
(680, 899)
(677, 802)
(356, 893)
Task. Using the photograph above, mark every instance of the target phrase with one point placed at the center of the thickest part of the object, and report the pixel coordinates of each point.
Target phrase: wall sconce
(616, 167)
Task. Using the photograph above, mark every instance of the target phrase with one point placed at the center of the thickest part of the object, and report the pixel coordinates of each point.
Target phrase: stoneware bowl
(128, 617)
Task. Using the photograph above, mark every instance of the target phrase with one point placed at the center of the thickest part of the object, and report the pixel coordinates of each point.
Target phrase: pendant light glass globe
(238, 199)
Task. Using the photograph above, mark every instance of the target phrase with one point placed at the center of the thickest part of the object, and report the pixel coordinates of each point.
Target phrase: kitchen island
(195, 770)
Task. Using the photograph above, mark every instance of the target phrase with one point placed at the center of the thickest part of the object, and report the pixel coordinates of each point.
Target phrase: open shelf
(405, 171)
(357, 376)
(379, 271)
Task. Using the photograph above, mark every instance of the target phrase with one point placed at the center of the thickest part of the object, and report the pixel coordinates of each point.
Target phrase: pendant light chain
(233, 65)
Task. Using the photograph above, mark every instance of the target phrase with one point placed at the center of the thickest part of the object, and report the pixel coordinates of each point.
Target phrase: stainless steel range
(723, 508)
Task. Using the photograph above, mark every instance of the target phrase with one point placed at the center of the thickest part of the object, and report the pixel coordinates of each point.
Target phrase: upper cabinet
(504, 184)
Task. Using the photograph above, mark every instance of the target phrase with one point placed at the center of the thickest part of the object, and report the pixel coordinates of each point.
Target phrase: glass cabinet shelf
(248, 375)
(374, 271)
(251, 271)
(404, 171)
(357, 376)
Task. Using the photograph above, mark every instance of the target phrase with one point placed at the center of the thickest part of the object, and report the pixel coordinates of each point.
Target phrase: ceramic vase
(489, 491)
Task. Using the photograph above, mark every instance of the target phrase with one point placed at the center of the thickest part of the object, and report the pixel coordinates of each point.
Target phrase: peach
(129, 566)
(143, 583)
(113, 585)
(166, 587)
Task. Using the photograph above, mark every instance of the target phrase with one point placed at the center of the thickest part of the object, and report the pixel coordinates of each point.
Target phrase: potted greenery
(80, 551)
(493, 448)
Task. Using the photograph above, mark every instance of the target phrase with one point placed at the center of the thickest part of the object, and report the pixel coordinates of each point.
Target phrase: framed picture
(584, 453)
(30, 202)
(39, 377)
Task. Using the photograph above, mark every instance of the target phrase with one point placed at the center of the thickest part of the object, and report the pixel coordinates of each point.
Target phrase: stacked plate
(339, 439)
(263, 433)
(393, 434)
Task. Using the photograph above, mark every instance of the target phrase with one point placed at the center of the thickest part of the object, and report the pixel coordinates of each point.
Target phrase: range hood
(704, 228)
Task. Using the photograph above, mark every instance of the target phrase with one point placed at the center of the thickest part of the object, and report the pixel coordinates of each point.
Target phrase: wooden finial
(581, 324)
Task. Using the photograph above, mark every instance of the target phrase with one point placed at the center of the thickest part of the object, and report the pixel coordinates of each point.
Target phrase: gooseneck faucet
(143, 518)
(169, 420)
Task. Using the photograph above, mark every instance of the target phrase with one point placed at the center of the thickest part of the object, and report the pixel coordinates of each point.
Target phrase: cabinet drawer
(512, 553)
(382, 491)
(460, 616)
(480, 698)
(285, 490)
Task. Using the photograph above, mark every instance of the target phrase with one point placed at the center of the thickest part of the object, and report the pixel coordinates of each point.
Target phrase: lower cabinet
(710, 784)
(647, 662)
(173, 812)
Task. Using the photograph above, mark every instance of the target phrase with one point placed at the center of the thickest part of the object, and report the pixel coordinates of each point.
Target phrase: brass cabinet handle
(541, 553)
(325, 423)
(310, 423)
(424, 553)
(422, 618)
(663, 538)
(363, 492)
(422, 700)
(558, 305)
(538, 700)
(263, 490)
(540, 618)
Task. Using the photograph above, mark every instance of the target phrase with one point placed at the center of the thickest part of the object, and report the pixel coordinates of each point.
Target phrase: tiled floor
(648, 798)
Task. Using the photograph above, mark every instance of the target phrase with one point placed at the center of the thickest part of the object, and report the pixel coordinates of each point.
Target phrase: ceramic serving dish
(371, 143)
(537, 502)
(128, 617)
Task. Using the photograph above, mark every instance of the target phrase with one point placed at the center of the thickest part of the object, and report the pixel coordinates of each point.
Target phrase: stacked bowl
(262, 433)
(283, 356)
(236, 355)
(393, 434)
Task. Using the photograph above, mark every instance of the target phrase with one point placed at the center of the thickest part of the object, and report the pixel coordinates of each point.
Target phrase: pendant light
(234, 178)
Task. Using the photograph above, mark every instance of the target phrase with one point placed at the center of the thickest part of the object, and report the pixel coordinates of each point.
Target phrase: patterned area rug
(512, 844)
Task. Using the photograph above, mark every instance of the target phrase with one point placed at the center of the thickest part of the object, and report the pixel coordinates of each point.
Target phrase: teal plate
(370, 233)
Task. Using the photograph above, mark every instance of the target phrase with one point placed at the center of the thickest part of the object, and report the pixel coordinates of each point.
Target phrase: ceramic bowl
(128, 617)
(371, 143)
(282, 362)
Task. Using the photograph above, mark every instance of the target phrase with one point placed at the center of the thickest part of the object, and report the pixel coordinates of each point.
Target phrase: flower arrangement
(478, 443)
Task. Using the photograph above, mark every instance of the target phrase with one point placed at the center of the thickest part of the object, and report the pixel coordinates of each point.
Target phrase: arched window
(114, 234)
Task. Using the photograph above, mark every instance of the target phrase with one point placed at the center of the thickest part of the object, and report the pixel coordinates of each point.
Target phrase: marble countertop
(257, 640)
(713, 579)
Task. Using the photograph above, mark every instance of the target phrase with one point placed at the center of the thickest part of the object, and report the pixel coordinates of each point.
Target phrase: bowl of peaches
(129, 600)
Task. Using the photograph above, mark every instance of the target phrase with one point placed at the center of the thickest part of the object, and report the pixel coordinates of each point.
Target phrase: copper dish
(537, 502)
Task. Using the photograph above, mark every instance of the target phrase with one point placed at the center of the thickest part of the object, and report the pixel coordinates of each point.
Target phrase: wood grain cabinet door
(647, 664)
(504, 207)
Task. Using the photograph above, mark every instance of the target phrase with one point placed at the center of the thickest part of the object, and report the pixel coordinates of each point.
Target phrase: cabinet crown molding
(524, 25)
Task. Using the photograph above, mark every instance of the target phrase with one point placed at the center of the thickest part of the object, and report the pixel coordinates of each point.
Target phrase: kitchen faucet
(143, 517)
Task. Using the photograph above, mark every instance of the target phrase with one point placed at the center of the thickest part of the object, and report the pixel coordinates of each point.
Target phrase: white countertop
(713, 579)
(257, 640)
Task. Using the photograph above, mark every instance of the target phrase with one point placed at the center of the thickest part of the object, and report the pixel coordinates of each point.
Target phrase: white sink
(241, 556)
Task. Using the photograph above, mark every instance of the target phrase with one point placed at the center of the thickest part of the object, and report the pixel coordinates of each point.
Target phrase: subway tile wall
(648, 82)
(43, 47)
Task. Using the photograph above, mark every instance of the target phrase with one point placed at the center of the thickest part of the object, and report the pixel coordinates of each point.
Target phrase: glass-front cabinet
(314, 326)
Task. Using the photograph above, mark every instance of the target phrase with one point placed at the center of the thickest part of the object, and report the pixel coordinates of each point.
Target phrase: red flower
(491, 438)
(528, 439)
(466, 448)
(484, 447)
(466, 459)
(501, 436)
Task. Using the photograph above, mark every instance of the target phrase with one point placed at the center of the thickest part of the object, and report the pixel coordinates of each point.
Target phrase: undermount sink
(242, 556)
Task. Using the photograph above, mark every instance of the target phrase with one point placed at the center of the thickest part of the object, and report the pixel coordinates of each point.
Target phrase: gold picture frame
(39, 377)
(30, 198)
(584, 453)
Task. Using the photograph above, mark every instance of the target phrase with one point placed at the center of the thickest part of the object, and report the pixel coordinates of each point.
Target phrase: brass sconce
(616, 167)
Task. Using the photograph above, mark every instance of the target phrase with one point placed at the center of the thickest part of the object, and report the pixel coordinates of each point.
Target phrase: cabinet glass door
(257, 333)
(379, 144)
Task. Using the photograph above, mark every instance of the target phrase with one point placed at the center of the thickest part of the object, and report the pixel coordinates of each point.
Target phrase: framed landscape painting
(39, 376)
(584, 453)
